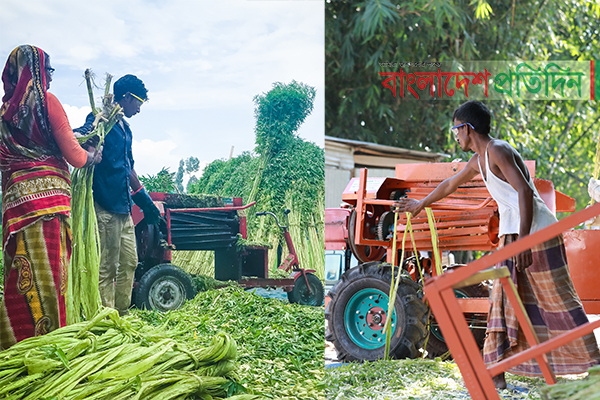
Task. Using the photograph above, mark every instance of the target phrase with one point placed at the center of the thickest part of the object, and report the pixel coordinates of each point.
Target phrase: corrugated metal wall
(342, 164)
(339, 164)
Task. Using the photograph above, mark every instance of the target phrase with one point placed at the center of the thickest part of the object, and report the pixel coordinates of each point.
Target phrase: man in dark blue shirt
(113, 179)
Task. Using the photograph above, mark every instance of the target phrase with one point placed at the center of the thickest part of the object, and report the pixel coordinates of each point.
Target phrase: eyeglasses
(133, 95)
(50, 70)
(454, 129)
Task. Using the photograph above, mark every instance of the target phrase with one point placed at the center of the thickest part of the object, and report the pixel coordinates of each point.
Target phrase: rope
(434, 241)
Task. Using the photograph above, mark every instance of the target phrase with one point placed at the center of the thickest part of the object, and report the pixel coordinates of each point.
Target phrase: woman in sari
(36, 142)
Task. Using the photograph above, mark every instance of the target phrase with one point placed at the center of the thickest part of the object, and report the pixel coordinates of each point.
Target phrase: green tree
(179, 176)
(559, 135)
(186, 167)
(163, 182)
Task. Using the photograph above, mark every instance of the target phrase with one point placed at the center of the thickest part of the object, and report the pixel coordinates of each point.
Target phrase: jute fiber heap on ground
(83, 295)
(280, 346)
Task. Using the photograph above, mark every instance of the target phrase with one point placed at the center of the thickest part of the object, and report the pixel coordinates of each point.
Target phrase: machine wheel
(364, 253)
(147, 239)
(436, 345)
(300, 294)
(358, 310)
(164, 287)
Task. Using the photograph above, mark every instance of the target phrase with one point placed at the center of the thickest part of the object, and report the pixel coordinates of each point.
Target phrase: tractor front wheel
(358, 310)
(301, 295)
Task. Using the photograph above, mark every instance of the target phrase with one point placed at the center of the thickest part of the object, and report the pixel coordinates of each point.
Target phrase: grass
(416, 379)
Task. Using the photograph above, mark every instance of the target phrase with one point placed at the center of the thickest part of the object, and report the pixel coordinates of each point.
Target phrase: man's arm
(143, 199)
(134, 181)
(444, 189)
(506, 160)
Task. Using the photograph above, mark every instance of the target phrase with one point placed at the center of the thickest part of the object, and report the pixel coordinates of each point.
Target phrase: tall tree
(559, 135)
(187, 166)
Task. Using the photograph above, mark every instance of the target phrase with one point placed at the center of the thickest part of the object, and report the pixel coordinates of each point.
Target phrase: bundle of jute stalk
(118, 358)
(195, 262)
(307, 235)
(83, 295)
(285, 171)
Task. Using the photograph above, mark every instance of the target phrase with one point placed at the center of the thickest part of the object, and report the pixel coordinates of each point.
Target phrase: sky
(202, 61)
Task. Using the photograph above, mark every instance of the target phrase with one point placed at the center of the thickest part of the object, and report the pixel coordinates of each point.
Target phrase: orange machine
(466, 220)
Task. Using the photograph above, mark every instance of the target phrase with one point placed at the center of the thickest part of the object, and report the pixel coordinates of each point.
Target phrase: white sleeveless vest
(507, 199)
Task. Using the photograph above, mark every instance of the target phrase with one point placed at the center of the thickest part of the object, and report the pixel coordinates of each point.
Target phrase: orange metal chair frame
(449, 314)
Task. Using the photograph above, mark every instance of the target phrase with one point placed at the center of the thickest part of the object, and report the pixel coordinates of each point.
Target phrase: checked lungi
(553, 306)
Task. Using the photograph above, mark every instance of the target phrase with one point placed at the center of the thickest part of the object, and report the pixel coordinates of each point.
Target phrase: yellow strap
(434, 241)
(412, 238)
(387, 327)
(597, 161)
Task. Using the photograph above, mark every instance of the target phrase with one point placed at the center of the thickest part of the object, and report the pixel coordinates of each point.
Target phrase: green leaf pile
(119, 358)
(435, 380)
(584, 389)
(280, 346)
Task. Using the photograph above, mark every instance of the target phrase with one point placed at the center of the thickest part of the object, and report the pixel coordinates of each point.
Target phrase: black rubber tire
(300, 295)
(411, 313)
(164, 287)
(436, 346)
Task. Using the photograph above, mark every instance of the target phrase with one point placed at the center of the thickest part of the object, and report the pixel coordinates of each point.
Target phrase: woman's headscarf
(25, 133)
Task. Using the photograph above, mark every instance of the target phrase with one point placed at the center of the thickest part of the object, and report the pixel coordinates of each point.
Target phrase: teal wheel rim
(364, 317)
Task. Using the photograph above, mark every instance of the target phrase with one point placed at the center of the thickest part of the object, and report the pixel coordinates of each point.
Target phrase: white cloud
(76, 115)
(202, 62)
(151, 156)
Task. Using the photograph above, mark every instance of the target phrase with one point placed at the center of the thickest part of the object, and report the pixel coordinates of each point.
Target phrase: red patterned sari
(36, 238)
